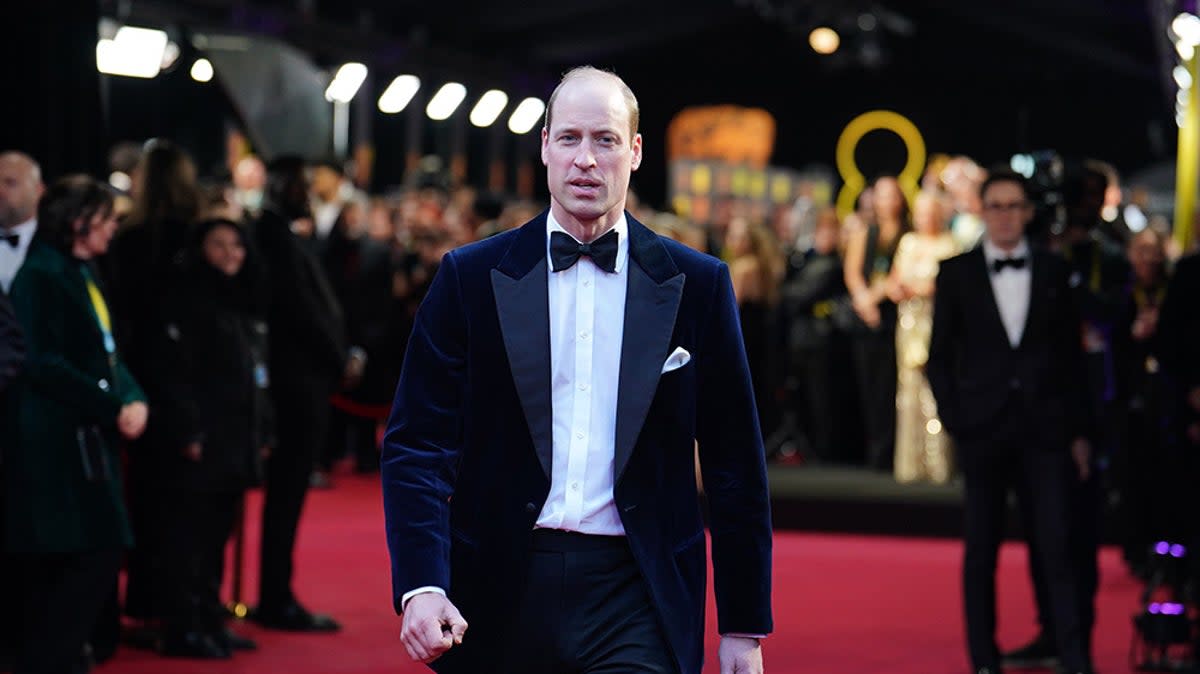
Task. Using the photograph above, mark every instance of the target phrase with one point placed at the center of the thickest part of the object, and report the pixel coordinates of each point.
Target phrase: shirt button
(574, 486)
(579, 436)
(583, 335)
(583, 387)
(587, 282)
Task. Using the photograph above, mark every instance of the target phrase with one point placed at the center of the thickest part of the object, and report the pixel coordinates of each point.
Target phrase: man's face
(588, 152)
(1006, 212)
(19, 192)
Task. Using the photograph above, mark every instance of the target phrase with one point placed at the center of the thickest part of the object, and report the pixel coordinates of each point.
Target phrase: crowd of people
(187, 340)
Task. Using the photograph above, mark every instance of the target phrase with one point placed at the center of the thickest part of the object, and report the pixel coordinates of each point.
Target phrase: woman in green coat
(65, 520)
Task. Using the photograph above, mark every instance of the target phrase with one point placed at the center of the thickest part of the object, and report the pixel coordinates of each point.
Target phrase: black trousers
(62, 595)
(301, 433)
(994, 464)
(1084, 510)
(196, 552)
(875, 367)
(584, 610)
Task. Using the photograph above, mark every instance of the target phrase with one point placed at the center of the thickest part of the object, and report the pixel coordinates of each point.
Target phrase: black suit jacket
(12, 345)
(307, 332)
(974, 371)
(466, 457)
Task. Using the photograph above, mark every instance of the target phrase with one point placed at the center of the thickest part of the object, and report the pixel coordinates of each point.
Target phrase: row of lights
(396, 97)
(1185, 33)
(144, 52)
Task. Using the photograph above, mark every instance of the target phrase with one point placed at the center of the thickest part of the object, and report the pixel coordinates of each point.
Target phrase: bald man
(20, 189)
(528, 493)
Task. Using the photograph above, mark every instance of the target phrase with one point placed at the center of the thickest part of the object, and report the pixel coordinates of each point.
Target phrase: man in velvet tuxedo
(1006, 366)
(538, 467)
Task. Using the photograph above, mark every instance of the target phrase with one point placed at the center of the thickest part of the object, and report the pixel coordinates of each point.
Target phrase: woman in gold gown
(923, 449)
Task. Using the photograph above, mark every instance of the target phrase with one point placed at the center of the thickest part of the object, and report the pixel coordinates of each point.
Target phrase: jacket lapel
(1037, 281)
(523, 307)
(655, 287)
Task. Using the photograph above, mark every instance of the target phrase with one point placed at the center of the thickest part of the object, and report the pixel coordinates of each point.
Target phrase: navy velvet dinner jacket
(466, 457)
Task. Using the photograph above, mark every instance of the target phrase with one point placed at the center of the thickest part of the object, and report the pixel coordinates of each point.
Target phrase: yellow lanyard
(100, 308)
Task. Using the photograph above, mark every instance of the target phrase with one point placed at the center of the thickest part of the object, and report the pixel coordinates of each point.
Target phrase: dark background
(987, 78)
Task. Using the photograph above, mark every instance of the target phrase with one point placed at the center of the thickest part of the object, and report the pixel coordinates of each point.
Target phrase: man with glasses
(1006, 367)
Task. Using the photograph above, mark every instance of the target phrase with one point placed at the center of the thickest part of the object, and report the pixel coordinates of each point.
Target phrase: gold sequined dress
(923, 449)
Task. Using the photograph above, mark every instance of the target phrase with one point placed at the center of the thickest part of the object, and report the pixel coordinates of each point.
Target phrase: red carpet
(843, 604)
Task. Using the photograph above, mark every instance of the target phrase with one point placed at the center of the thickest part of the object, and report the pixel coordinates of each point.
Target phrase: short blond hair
(581, 72)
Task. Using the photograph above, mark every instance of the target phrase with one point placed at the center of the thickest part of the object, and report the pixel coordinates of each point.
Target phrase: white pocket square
(678, 358)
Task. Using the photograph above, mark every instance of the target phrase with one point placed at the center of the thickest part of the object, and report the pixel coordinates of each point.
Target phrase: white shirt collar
(992, 252)
(25, 230)
(621, 228)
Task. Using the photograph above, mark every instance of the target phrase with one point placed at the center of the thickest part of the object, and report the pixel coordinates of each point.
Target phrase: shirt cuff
(743, 635)
(420, 590)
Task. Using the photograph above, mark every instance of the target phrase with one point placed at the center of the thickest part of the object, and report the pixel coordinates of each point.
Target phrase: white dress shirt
(1011, 288)
(587, 323)
(11, 258)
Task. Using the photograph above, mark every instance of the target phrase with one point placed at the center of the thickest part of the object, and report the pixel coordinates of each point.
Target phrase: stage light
(346, 82)
(399, 93)
(1024, 164)
(202, 70)
(170, 55)
(120, 181)
(445, 101)
(489, 107)
(824, 40)
(527, 114)
(1185, 50)
(1186, 28)
(1182, 77)
(133, 52)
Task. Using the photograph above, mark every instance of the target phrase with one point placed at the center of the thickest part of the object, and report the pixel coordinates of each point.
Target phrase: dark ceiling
(984, 77)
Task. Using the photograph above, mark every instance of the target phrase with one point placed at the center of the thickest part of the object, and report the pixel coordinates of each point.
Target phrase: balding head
(586, 72)
(20, 188)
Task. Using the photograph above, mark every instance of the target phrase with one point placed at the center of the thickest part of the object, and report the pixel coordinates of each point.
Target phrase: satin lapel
(655, 288)
(523, 307)
(1037, 281)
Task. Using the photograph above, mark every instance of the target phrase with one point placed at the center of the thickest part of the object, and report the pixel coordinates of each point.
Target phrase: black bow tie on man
(13, 240)
(565, 251)
(1000, 263)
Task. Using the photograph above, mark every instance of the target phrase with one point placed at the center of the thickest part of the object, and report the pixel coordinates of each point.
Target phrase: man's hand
(1081, 453)
(740, 655)
(431, 626)
(131, 422)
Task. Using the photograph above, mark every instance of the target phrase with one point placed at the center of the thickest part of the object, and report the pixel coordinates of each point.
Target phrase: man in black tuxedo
(308, 355)
(523, 487)
(1006, 366)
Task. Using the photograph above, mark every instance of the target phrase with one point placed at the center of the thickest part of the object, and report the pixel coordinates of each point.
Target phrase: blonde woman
(923, 449)
(756, 269)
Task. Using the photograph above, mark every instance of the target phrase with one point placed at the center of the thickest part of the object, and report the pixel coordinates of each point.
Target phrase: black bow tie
(566, 251)
(1000, 263)
(13, 240)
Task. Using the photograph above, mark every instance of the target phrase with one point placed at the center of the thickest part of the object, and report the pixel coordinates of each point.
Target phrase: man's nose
(584, 157)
